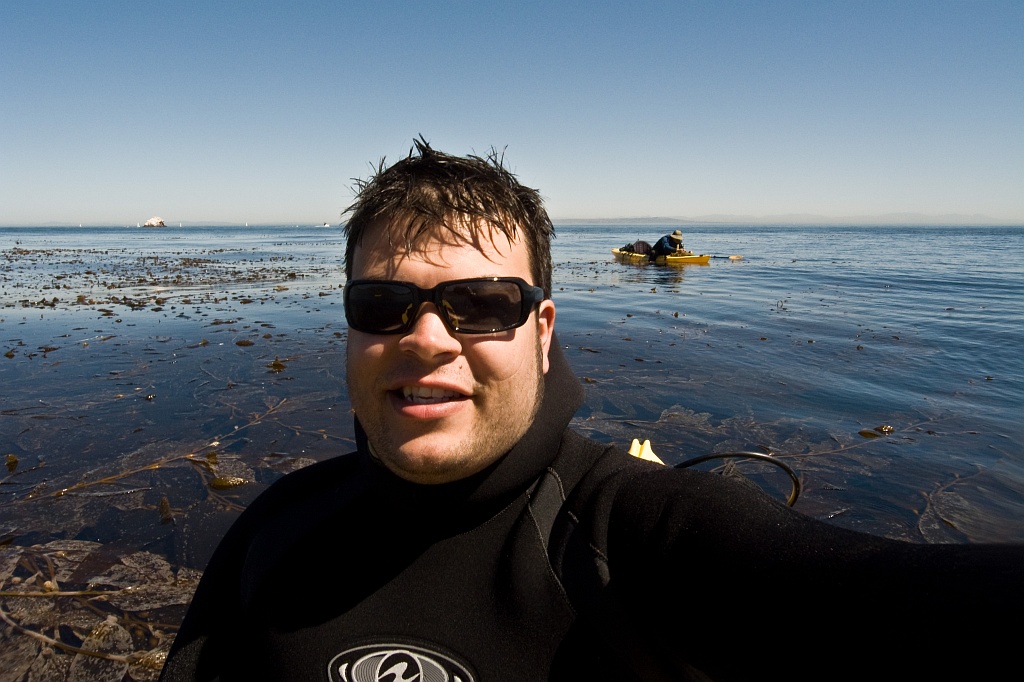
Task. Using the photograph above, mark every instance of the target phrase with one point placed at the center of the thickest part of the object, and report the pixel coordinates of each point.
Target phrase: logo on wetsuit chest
(396, 663)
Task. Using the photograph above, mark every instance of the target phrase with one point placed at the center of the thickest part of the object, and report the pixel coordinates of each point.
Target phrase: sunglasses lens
(483, 305)
(471, 306)
(379, 308)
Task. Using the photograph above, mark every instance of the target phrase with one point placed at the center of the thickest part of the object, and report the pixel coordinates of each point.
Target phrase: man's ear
(545, 327)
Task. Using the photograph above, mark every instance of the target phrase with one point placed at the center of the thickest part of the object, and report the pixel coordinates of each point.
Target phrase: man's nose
(429, 336)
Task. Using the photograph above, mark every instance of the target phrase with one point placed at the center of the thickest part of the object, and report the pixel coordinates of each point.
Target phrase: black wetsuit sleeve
(709, 576)
(198, 649)
(218, 621)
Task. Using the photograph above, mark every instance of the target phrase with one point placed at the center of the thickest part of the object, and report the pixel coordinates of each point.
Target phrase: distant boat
(327, 224)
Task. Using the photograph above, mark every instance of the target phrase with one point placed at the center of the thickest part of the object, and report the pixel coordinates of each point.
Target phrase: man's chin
(433, 463)
(428, 471)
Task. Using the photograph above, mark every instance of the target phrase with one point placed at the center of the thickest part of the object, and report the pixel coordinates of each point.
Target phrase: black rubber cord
(794, 493)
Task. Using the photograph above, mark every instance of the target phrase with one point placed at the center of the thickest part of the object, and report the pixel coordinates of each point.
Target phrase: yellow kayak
(683, 258)
(629, 256)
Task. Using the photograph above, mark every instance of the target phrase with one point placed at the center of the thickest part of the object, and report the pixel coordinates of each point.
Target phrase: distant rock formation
(155, 221)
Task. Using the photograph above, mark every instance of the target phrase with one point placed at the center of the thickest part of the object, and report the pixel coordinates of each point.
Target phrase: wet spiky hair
(465, 199)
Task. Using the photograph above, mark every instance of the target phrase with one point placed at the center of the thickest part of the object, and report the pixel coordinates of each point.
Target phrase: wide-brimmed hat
(677, 235)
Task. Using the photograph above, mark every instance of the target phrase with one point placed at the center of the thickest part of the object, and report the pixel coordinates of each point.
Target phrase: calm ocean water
(820, 333)
(882, 363)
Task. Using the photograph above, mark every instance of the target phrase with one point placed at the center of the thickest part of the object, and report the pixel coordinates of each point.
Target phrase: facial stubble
(488, 442)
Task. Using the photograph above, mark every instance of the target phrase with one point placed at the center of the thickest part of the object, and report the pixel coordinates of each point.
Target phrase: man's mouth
(423, 395)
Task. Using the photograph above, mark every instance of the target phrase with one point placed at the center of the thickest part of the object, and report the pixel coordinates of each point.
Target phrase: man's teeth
(422, 394)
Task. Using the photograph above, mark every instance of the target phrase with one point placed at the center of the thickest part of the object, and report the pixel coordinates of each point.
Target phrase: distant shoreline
(901, 220)
(889, 220)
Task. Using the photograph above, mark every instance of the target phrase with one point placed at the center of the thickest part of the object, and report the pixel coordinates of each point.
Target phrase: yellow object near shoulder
(643, 451)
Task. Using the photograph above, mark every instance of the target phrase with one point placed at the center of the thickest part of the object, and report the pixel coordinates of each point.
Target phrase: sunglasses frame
(530, 296)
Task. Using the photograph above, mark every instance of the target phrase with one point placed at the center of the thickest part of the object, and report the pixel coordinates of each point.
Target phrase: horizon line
(900, 218)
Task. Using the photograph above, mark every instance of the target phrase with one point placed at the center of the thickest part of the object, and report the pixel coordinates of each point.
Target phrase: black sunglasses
(481, 305)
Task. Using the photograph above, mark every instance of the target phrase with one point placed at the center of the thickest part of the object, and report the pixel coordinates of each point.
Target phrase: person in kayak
(474, 536)
(668, 245)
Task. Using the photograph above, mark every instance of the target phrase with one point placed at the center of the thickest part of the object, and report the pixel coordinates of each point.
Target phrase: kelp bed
(108, 608)
(147, 401)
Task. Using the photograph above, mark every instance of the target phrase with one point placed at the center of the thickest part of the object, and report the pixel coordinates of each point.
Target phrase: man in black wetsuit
(473, 536)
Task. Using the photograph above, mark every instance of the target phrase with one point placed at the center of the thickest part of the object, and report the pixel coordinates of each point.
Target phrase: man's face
(439, 406)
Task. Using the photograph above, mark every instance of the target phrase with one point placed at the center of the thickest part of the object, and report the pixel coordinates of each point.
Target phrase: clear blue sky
(262, 112)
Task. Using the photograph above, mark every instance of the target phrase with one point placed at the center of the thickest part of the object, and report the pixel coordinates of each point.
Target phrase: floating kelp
(95, 573)
(76, 611)
(129, 280)
(883, 430)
